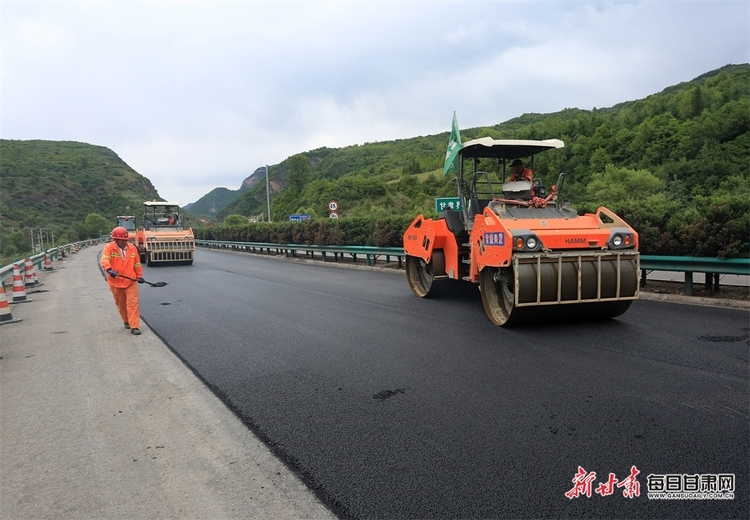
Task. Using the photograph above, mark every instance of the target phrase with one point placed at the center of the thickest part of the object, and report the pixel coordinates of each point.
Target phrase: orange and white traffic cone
(32, 280)
(19, 293)
(47, 263)
(5, 315)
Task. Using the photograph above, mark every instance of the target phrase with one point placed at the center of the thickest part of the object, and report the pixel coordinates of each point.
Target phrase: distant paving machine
(163, 238)
(530, 252)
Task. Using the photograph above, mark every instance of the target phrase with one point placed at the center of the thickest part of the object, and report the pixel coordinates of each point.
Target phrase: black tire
(420, 275)
(496, 286)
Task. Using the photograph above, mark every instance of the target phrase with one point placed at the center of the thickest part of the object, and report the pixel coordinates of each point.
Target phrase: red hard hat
(119, 233)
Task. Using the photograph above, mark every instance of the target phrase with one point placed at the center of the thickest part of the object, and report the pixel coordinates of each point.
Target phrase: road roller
(530, 253)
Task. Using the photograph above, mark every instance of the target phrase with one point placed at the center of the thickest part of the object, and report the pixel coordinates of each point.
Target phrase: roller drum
(547, 274)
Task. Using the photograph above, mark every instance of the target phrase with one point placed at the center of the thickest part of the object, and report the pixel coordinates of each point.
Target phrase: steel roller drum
(538, 282)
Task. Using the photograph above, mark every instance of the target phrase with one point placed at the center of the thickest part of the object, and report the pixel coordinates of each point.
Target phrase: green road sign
(442, 203)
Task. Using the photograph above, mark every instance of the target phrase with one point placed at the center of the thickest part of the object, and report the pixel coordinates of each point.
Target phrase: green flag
(454, 146)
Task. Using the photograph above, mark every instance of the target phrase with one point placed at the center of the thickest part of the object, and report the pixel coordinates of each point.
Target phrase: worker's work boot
(135, 332)
(127, 325)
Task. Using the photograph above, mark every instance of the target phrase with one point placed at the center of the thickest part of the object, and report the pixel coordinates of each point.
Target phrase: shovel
(155, 284)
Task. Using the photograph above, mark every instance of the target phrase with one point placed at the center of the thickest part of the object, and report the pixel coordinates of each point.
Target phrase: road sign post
(333, 207)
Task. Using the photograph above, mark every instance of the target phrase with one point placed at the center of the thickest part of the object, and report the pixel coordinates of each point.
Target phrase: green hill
(694, 138)
(217, 199)
(56, 184)
(674, 164)
(213, 201)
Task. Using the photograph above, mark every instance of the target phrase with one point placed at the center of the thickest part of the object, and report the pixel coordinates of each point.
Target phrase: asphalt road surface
(392, 406)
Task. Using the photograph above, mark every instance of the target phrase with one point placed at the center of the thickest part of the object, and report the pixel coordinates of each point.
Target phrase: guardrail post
(715, 277)
(689, 283)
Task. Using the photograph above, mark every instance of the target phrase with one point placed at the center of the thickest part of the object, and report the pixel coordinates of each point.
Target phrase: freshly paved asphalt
(391, 406)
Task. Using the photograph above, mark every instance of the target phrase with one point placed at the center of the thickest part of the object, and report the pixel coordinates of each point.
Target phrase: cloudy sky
(195, 95)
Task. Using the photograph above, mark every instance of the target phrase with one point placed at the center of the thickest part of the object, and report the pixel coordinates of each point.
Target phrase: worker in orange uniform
(121, 261)
(520, 172)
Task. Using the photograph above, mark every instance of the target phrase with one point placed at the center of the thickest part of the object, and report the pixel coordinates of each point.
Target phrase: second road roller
(531, 254)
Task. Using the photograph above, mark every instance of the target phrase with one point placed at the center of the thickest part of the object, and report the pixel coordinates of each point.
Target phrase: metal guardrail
(694, 264)
(6, 272)
(370, 253)
(713, 267)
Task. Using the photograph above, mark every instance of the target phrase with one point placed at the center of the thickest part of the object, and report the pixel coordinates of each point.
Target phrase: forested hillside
(674, 164)
(57, 184)
(213, 201)
(217, 199)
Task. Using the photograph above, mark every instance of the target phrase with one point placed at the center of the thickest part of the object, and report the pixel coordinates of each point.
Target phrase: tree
(615, 185)
(96, 225)
(235, 220)
(691, 103)
(298, 172)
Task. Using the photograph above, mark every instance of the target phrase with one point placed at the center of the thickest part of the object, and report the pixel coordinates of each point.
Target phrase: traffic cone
(32, 280)
(47, 263)
(19, 293)
(5, 315)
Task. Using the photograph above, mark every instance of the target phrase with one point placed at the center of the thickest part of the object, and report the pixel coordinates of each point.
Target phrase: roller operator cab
(164, 237)
(530, 253)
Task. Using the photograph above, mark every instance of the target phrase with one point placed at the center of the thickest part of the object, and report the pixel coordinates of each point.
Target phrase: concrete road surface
(98, 423)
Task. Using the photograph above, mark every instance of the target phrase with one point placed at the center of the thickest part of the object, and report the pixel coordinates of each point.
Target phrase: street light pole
(268, 196)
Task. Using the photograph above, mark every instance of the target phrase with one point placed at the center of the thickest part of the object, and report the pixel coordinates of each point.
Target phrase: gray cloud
(196, 95)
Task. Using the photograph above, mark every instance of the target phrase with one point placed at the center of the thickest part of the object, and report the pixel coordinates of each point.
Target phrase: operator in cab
(169, 216)
(520, 172)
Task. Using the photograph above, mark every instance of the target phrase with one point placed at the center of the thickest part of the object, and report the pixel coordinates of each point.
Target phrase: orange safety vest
(129, 266)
